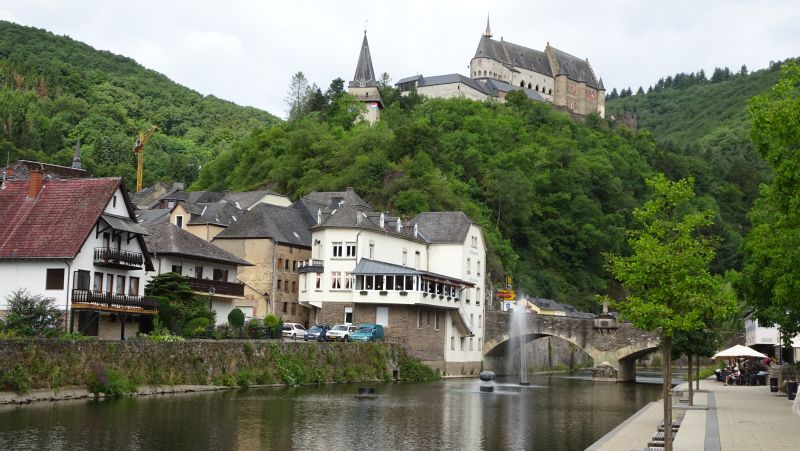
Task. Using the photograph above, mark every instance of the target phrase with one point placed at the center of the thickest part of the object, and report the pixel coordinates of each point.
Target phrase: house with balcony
(210, 271)
(75, 240)
(422, 279)
(276, 240)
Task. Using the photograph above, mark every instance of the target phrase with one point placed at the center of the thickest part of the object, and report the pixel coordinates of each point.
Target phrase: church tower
(364, 85)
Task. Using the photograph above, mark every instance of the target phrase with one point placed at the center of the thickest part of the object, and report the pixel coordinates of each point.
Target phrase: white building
(76, 241)
(209, 270)
(766, 339)
(422, 279)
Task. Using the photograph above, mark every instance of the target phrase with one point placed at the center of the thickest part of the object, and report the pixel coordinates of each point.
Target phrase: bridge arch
(618, 347)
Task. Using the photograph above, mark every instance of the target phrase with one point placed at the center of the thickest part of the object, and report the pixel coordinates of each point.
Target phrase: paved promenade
(725, 418)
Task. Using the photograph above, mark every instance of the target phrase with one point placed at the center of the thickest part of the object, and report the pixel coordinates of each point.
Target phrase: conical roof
(365, 74)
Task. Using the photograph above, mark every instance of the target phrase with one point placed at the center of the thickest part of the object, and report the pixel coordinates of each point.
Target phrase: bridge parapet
(619, 347)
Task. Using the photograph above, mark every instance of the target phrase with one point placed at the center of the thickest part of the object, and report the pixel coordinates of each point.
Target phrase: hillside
(703, 131)
(53, 87)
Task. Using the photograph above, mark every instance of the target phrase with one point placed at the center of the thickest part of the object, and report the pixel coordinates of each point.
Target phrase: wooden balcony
(307, 266)
(112, 302)
(118, 258)
(220, 287)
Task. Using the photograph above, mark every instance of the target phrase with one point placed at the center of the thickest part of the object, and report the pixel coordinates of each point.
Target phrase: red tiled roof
(56, 223)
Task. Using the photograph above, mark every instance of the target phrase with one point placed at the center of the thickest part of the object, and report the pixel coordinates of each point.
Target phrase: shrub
(75, 336)
(32, 314)
(274, 324)
(236, 318)
(161, 334)
(15, 379)
(108, 381)
(222, 332)
(255, 329)
(197, 327)
(413, 370)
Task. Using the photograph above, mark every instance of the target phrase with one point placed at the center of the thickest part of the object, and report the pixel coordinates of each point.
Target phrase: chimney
(35, 180)
(9, 172)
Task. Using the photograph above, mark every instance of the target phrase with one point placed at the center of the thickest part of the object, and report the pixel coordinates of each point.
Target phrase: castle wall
(488, 68)
(451, 90)
(545, 84)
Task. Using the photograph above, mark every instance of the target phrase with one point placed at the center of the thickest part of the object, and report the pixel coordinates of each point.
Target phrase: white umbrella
(737, 351)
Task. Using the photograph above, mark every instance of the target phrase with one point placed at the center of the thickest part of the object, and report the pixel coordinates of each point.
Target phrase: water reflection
(554, 413)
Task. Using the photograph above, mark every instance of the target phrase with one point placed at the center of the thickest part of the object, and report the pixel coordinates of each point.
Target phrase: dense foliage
(771, 279)
(179, 309)
(31, 315)
(53, 88)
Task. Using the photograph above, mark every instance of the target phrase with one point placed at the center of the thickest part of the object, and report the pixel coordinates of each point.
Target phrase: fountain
(518, 318)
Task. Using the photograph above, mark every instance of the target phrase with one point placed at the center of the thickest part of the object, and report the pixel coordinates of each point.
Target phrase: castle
(498, 68)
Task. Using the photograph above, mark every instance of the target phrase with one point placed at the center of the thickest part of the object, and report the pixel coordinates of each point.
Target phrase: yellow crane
(138, 149)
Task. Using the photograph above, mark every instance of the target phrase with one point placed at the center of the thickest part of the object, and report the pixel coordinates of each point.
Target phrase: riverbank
(121, 367)
(725, 418)
(73, 393)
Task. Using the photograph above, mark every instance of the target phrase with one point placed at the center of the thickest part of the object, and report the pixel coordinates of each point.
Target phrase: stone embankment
(59, 369)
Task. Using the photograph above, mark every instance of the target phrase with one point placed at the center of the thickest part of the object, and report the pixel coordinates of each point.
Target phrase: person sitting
(733, 377)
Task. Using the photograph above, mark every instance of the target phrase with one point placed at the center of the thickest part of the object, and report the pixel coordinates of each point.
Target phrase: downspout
(67, 310)
(271, 296)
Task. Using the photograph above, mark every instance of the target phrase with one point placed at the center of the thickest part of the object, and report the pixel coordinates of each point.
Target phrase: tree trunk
(666, 342)
(691, 392)
(697, 369)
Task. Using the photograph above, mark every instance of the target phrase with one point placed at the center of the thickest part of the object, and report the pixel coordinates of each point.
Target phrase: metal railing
(220, 286)
(114, 300)
(119, 258)
(307, 266)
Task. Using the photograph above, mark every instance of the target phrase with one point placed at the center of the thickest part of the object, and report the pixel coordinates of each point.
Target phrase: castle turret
(364, 85)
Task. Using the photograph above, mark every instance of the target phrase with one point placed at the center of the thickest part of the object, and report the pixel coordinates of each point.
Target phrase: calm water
(554, 413)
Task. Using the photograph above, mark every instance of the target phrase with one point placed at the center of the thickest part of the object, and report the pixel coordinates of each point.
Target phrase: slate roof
(57, 222)
(168, 239)
(217, 213)
(514, 55)
(23, 167)
(559, 307)
(283, 224)
(245, 199)
(574, 68)
(501, 86)
(364, 70)
(326, 201)
(444, 80)
(194, 197)
(154, 216)
(348, 216)
(443, 226)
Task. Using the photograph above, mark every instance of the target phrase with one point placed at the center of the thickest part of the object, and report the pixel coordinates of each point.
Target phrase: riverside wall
(46, 364)
(543, 354)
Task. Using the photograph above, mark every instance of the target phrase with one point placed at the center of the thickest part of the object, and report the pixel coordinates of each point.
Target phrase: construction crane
(138, 149)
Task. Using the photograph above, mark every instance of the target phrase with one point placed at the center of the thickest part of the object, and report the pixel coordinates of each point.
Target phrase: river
(557, 412)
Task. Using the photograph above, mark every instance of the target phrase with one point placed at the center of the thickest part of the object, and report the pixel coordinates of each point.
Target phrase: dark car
(318, 332)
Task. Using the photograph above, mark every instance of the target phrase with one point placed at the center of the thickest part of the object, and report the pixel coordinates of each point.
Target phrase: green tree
(298, 96)
(178, 305)
(669, 287)
(695, 343)
(32, 314)
(770, 280)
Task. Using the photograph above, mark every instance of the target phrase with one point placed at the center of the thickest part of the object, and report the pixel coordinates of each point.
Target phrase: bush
(108, 381)
(197, 327)
(161, 334)
(15, 379)
(236, 318)
(273, 324)
(413, 370)
(32, 315)
(255, 329)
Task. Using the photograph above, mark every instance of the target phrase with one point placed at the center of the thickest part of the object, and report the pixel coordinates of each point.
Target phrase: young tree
(669, 287)
(770, 279)
(385, 80)
(298, 95)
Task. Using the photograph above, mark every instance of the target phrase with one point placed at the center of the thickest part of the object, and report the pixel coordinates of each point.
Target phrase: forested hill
(53, 87)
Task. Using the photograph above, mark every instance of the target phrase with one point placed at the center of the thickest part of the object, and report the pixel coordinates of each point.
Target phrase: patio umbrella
(737, 351)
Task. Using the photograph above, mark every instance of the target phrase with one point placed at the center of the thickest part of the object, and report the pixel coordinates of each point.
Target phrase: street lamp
(211, 291)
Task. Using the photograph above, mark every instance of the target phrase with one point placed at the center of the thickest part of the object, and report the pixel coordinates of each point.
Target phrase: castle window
(522, 84)
(529, 86)
(537, 88)
(549, 91)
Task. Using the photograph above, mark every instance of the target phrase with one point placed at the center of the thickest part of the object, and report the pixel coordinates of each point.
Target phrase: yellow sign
(508, 280)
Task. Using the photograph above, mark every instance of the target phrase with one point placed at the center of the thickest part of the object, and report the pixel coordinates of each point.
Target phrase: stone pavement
(737, 419)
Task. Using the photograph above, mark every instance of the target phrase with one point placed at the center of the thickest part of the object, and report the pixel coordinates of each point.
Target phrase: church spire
(365, 74)
(488, 32)
(76, 160)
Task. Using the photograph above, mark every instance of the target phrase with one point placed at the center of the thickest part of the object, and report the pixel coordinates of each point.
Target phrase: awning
(123, 224)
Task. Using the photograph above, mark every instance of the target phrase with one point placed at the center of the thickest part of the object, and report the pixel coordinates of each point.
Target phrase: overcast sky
(247, 50)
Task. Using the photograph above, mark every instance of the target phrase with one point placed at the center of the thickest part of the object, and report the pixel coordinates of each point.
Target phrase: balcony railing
(220, 286)
(118, 258)
(112, 301)
(310, 266)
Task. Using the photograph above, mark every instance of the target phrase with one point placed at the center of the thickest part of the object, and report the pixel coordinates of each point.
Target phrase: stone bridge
(617, 343)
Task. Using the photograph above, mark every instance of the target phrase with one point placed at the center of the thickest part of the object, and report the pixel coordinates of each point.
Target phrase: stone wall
(543, 354)
(47, 364)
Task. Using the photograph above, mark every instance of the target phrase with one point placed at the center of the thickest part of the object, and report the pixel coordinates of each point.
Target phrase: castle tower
(365, 86)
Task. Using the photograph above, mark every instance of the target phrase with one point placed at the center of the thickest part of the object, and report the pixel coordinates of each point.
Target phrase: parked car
(341, 332)
(368, 332)
(317, 332)
(293, 330)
